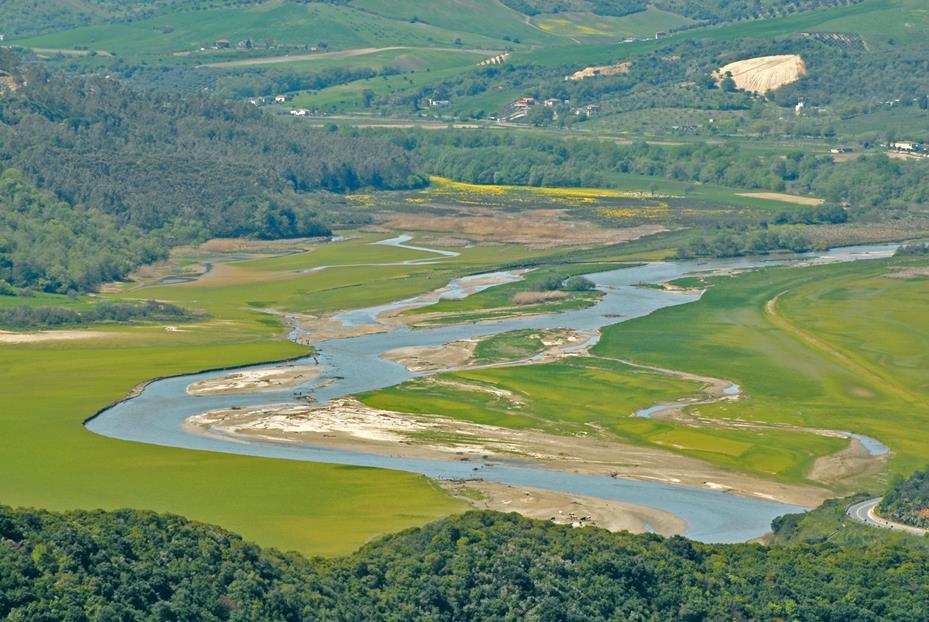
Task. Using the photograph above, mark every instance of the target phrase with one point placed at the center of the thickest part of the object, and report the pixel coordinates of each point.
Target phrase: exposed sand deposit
(534, 298)
(909, 273)
(51, 335)
(564, 508)
(314, 329)
(256, 380)
(348, 424)
(764, 73)
(434, 358)
(781, 196)
(460, 354)
(602, 70)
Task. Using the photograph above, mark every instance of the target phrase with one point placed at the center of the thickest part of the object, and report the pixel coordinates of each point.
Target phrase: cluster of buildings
(523, 105)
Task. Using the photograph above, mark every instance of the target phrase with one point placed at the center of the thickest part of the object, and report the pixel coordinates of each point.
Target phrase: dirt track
(273, 60)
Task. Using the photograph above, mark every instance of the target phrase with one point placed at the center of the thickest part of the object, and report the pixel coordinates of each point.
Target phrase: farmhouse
(588, 110)
(524, 102)
(280, 99)
(223, 43)
(905, 145)
(299, 112)
(551, 102)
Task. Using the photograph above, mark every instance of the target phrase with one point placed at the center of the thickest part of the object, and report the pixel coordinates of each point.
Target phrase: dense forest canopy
(46, 244)
(134, 173)
(907, 501)
(479, 566)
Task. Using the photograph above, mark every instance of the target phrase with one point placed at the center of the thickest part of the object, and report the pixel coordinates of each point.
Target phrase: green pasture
(559, 397)
(341, 27)
(511, 346)
(49, 460)
(404, 59)
(283, 284)
(485, 17)
(589, 27)
(871, 18)
(351, 95)
(846, 350)
(580, 395)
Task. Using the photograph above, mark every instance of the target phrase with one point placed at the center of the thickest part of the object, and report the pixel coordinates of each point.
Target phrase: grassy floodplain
(49, 460)
(840, 347)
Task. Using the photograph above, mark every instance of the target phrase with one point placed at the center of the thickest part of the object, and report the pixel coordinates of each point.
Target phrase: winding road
(863, 512)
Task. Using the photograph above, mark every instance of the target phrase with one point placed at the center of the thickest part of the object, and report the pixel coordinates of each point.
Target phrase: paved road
(863, 512)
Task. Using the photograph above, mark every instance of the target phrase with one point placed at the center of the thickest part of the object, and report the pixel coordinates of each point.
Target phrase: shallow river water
(354, 364)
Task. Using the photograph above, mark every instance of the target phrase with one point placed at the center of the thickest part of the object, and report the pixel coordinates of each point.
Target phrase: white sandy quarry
(765, 73)
(256, 380)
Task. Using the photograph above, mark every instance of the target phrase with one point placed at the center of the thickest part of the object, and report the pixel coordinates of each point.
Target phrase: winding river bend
(355, 364)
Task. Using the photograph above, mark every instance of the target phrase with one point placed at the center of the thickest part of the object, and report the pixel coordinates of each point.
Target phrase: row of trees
(480, 566)
(24, 317)
(513, 158)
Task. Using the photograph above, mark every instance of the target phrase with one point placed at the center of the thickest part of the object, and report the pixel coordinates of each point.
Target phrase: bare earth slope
(765, 73)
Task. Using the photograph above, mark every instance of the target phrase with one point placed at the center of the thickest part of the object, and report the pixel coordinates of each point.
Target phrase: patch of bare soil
(909, 273)
(534, 298)
(901, 155)
(256, 380)
(764, 73)
(602, 70)
(314, 329)
(434, 358)
(458, 355)
(348, 424)
(845, 466)
(564, 508)
(781, 196)
(51, 335)
(541, 228)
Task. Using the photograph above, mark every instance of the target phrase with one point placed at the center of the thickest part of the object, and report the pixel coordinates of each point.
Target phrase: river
(355, 364)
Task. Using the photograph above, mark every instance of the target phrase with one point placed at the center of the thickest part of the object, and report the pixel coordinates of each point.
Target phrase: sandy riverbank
(565, 508)
(347, 424)
(264, 380)
(457, 355)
